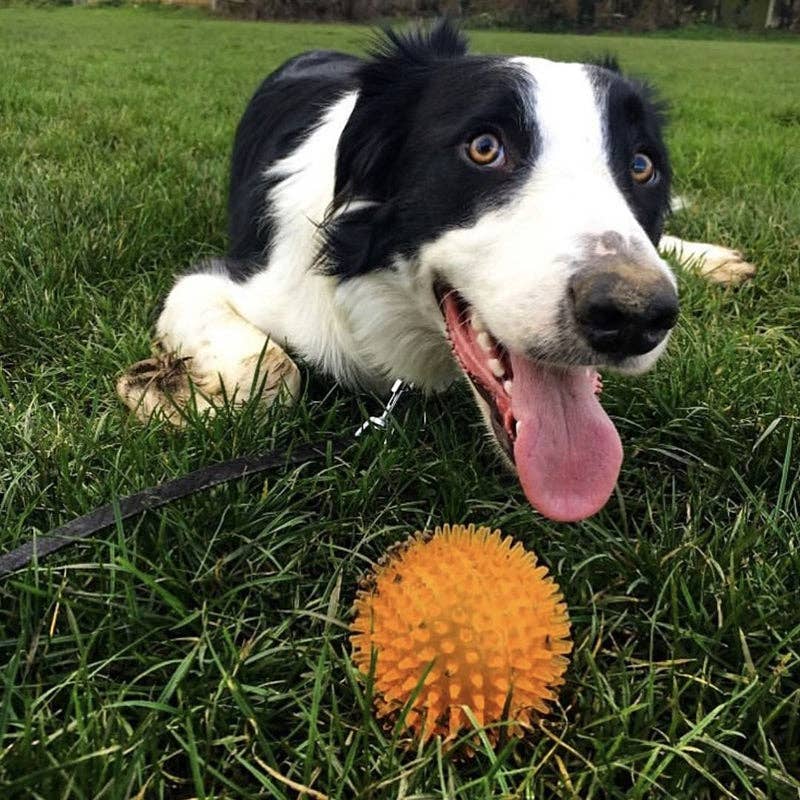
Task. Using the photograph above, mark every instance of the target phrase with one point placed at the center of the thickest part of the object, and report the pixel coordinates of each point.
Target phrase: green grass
(200, 650)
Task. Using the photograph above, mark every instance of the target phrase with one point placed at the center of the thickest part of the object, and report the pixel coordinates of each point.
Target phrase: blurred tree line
(539, 14)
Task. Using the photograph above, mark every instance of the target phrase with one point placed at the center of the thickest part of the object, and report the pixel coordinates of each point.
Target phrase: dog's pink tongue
(567, 452)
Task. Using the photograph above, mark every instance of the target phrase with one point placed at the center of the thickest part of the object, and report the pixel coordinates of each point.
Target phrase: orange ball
(463, 618)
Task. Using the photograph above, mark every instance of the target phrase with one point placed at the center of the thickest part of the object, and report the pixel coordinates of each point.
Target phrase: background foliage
(638, 15)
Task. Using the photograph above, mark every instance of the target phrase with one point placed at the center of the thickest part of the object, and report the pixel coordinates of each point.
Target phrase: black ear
(390, 85)
(606, 61)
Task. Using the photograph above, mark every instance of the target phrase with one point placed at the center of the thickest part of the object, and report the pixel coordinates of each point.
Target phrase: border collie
(426, 213)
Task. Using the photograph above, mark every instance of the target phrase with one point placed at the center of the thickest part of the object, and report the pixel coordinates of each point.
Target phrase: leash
(199, 480)
(196, 481)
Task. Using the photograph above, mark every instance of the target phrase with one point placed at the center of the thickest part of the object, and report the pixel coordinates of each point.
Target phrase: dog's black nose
(624, 311)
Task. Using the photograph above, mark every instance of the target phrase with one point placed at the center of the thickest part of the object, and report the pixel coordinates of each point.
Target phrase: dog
(427, 214)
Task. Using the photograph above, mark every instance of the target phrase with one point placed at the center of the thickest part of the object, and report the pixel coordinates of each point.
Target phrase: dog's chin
(636, 365)
(544, 416)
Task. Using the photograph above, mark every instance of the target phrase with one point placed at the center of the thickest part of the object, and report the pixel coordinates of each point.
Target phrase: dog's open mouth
(547, 418)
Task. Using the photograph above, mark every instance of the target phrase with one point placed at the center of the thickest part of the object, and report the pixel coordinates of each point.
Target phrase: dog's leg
(206, 352)
(712, 261)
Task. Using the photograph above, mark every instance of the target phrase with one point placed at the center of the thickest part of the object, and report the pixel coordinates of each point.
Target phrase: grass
(201, 650)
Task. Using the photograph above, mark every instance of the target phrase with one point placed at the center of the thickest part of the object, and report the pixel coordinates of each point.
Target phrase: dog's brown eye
(486, 150)
(642, 169)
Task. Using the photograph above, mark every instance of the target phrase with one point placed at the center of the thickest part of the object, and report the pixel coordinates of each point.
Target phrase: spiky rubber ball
(464, 617)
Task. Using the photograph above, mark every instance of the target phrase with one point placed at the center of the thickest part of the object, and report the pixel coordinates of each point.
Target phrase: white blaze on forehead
(572, 166)
(569, 121)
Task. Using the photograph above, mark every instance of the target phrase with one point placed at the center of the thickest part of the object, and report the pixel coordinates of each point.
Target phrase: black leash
(205, 478)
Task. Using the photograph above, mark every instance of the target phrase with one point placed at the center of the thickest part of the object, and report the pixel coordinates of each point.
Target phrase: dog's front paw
(724, 266)
(713, 261)
(165, 385)
(157, 387)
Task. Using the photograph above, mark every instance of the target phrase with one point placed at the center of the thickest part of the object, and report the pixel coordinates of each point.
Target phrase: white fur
(200, 320)
(290, 299)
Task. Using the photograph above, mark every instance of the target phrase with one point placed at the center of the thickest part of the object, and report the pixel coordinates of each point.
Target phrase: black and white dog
(426, 213)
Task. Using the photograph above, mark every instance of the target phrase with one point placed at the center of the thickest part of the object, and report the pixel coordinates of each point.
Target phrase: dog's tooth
(508, 386)
(496, 367)
(476, 322)
(518, 427)
(485, 341)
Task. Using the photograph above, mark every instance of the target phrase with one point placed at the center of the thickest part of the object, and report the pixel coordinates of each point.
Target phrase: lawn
(201, 650)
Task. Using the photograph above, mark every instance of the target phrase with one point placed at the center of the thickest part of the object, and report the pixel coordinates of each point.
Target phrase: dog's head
(522, 200)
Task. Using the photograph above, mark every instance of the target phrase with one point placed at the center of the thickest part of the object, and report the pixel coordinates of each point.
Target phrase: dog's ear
(606, 61)
(390, 85)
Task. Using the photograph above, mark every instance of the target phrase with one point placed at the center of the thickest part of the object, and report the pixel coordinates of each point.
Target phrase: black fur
(421, 181)
(281, 112)
(607, 61)
(635, 122)
(422, 99)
